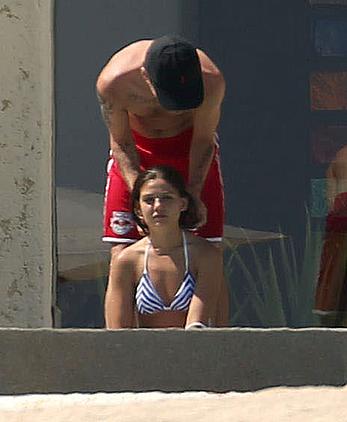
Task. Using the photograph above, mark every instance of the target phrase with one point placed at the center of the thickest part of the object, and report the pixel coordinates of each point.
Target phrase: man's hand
(201, 211)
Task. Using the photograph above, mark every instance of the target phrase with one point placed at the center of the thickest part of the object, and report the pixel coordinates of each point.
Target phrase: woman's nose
(157, 202)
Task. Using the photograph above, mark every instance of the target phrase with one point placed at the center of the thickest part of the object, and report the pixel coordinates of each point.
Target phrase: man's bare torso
(146, 116)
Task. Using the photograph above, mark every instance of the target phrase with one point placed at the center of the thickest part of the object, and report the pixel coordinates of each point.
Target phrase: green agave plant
(279, 293)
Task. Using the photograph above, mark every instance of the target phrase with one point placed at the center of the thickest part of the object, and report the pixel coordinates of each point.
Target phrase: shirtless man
(161, 101)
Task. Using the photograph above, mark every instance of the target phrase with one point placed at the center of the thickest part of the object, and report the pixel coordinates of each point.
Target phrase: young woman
(170, 278)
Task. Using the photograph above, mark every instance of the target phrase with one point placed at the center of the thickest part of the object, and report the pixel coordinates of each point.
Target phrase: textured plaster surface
(25, 163)
(216, 360)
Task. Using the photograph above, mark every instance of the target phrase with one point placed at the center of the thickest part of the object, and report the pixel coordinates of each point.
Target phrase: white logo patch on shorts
(121, 222)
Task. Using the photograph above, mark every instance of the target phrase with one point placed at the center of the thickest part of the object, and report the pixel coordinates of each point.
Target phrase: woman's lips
(158, 216)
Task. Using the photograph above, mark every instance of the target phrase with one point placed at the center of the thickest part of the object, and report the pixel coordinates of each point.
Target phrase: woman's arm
(203, 306)
(119, 299)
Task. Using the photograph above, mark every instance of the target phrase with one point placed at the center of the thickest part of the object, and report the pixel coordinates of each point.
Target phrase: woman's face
(160, 203)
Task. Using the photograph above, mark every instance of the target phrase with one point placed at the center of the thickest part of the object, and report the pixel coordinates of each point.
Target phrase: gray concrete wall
(65, 361)
(25, 163)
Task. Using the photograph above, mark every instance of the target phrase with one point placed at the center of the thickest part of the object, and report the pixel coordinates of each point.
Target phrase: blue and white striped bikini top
(147, 298)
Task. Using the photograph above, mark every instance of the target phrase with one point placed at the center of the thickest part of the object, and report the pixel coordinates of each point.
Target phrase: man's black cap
(173, 66)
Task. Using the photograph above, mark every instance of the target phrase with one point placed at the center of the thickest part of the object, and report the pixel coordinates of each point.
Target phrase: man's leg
(223, 304)
(213, 197)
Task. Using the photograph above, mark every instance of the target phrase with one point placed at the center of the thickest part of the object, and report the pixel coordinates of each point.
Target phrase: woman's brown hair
(188, 218)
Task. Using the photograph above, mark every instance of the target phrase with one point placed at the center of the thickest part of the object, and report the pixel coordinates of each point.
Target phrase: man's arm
(117, 121)
(202, 149)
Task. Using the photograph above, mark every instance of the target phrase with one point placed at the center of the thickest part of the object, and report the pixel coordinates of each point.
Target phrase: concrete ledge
(87, 361)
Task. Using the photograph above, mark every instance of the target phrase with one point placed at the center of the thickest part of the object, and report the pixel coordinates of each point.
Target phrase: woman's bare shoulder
(201, 246)
(131, 254)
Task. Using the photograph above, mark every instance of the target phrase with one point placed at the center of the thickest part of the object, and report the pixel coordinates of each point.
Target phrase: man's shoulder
(214, 81)
(122, 70)
(208, 66)
(126, 60)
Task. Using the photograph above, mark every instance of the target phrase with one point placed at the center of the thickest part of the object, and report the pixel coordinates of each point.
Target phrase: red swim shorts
(119, 225)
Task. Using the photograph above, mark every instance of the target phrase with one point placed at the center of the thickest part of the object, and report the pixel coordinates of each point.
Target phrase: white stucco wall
(26, 145)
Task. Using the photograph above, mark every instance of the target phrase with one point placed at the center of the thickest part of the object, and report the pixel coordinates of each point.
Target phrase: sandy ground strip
(282, 404)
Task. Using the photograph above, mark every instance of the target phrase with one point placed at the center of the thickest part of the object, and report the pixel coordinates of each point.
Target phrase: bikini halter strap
(185, 248)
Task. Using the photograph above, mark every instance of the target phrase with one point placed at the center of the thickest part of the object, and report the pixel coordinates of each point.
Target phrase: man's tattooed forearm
(206, 158)
(128, 160)
(201, 167)
(106, 109)
(128, 150)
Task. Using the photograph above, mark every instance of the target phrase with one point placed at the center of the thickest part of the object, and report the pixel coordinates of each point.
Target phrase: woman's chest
(165, 274)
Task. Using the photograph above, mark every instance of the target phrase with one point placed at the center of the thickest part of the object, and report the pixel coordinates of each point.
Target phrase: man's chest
(156, 124)
(146, 106)
(148, 117)
(153, 121)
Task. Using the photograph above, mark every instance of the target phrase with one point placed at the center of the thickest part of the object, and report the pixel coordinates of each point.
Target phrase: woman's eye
(163, 198)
